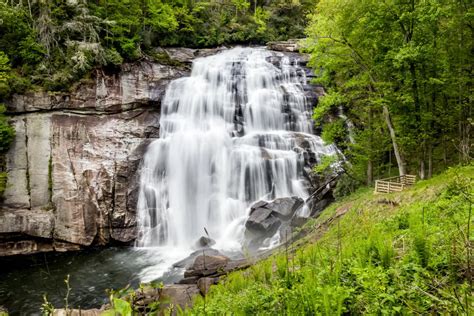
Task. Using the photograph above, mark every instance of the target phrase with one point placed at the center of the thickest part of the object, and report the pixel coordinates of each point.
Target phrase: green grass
(394, 254)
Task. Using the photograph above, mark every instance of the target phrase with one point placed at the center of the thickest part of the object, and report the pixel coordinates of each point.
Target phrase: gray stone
(318, 206)
(181, 295)
(257, 205)
(284, 46)
(35, 223)
(262, 221)
(189, 261)
(298, 221)
(207, 265)
(187, 55)
(16, 192)
(39, 154)
(204, 242)
(284, 208)
(22, 247)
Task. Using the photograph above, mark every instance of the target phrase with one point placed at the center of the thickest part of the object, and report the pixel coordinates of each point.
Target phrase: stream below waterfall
(25, 279)
(236, 131)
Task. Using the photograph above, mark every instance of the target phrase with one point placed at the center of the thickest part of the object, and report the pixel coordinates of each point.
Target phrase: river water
(25, 279)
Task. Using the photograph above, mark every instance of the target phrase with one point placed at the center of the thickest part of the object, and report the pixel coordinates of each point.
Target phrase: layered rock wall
(72, 169)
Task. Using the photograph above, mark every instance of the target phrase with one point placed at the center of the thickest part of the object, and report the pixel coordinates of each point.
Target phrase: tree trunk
(370, 165)
(445, 152)
(370, 172)
(430, 160)
(422, 162)
(396, 150)
(422, 169)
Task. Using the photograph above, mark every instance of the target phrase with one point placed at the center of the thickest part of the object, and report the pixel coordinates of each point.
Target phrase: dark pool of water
(25, 279)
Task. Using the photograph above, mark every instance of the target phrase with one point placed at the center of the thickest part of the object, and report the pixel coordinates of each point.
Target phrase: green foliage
(326, 165)
(4, 74)
(54, 43)
(345, 186)
(3, 182)
(334, 132)
(377, 259)
(411, 60)
(120, 307)
(326, 105)
(7, 135)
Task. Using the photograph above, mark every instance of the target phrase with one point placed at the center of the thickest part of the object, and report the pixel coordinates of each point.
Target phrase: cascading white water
(234, 132)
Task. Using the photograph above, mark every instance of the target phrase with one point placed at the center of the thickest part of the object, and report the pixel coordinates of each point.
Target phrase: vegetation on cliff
(7, 133)
(396, 254)
(52, 44)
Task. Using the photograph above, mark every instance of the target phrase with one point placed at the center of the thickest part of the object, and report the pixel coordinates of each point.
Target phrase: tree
(395, 62)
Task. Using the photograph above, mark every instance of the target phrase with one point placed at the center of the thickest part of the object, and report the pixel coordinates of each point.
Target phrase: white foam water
(236, 131)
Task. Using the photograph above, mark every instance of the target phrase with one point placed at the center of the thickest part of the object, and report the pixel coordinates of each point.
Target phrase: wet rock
(189, 261)
(319, 206)
(257, 205)
(22, 247)
(65, 246)
(207, 265)
(262, 221)
(205, 242)
(284, 208)
(298, 221)
(266, 217)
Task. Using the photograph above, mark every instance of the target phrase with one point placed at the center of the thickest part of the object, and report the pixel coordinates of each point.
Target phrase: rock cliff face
(72, 170)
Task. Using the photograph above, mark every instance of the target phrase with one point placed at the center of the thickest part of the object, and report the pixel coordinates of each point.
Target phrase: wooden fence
(394, 184)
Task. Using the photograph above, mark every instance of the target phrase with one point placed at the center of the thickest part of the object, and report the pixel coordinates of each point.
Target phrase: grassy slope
(401, 253)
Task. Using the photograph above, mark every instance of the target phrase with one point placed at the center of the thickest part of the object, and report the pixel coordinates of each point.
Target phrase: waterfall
(236, 131)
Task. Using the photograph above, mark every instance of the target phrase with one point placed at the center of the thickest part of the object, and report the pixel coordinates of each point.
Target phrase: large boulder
(187, 55)
(266, 217)
(207, 265)
(181, 295)
(188, 262)
(291, 46)
(262, 221)
(204, 242)
(284, 208)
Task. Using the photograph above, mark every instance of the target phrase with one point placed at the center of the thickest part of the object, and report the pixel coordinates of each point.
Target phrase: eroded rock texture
(72, 170)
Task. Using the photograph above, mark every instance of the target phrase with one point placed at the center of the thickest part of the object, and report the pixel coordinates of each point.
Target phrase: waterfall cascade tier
(236, 131)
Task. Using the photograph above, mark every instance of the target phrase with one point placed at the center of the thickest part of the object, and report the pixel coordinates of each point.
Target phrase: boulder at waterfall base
(285, 208)
(262, 221)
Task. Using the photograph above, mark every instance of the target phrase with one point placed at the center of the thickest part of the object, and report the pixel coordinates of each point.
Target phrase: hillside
(403, 253)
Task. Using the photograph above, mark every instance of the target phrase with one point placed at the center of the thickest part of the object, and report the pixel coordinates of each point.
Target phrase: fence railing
(394, 184)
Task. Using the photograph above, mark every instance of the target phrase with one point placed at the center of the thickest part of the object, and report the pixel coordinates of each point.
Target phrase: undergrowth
(401, 253)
